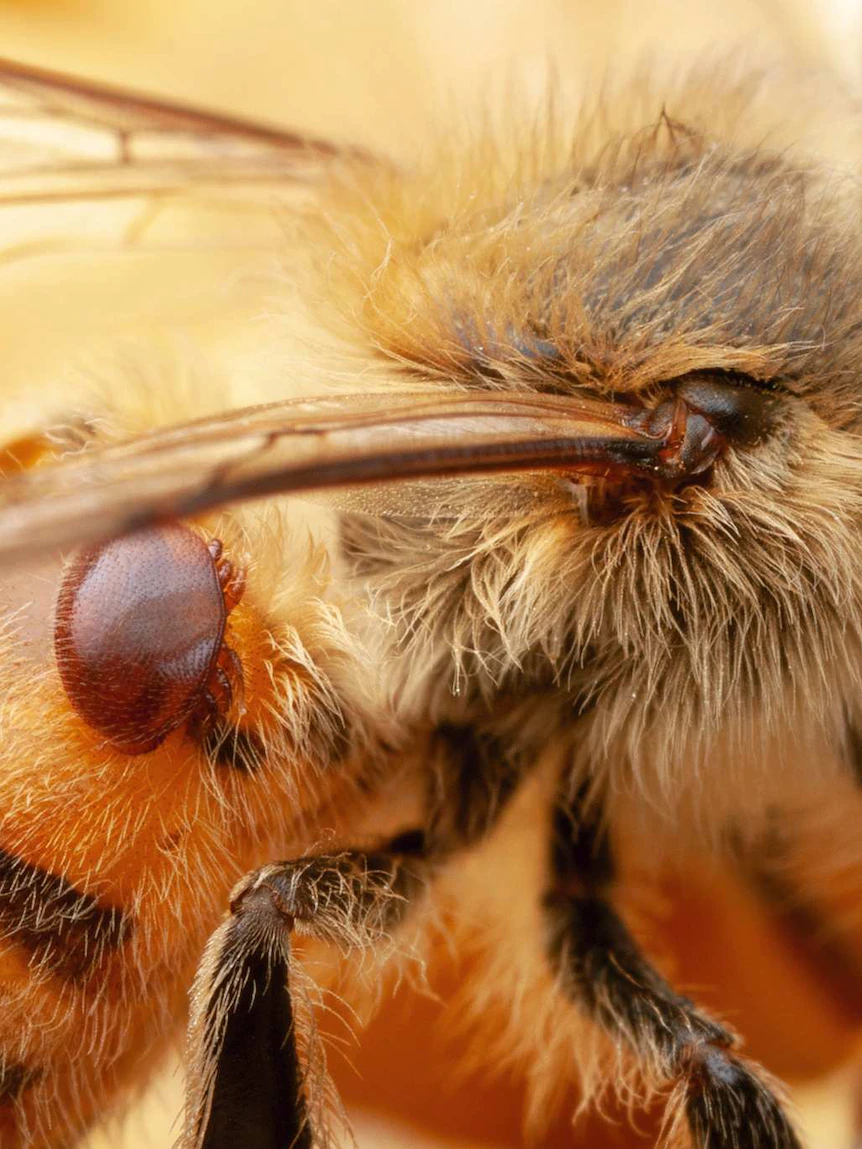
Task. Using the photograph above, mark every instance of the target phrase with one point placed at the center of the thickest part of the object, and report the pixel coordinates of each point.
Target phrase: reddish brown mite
(139, 636)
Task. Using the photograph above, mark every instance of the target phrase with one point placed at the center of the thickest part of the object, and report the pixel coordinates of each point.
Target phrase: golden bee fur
(723, 614)
(675, 667)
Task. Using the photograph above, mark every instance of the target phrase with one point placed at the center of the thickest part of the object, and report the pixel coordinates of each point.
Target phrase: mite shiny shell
(139, 634)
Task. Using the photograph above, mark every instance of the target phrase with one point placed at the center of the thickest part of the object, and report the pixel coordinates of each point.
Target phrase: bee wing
(87, 165)
(78, 139)
(311, 445)
(67, 145)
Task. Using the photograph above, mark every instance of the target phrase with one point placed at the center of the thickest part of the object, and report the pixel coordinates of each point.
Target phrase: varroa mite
(139, 635)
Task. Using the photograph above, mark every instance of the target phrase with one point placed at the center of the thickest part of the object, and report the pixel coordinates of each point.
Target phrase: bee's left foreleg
(718, 1099)
(247, 1086)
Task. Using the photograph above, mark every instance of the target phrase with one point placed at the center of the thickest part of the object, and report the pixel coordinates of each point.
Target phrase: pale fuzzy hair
(697, 627)
(662, 229)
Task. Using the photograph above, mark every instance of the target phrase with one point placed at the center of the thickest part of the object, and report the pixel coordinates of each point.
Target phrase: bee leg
(811, 935)
(472, 775)
(721, 1099)
(247, 1086)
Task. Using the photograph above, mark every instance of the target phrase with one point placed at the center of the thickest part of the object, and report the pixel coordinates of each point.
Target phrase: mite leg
(721, 1099)
(247, 1086)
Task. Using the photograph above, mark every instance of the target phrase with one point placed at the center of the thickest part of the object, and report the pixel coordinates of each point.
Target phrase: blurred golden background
(379, 72)
(382, 73)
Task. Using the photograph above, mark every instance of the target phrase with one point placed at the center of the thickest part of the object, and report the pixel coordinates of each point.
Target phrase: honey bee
(534, 569)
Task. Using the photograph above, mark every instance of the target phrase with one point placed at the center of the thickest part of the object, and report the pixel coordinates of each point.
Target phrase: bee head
(712, 292)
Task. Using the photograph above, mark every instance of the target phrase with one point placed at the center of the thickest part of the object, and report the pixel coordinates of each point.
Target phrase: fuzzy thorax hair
(611, 255)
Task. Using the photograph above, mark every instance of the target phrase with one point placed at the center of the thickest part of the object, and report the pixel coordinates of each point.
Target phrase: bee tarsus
(723, 1099)
(249, 1081)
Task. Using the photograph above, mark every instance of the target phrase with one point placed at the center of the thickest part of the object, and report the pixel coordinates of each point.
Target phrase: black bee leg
(718, 1098)
(799, 901)
(250, 1079)
(812, 935)
(247, 1087)
(471, 776)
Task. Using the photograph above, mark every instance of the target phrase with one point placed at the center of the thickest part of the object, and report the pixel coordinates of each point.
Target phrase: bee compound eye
(138, 629)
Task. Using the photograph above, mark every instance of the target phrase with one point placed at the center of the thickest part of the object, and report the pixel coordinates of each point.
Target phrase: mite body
(586, 601)
(139, 635)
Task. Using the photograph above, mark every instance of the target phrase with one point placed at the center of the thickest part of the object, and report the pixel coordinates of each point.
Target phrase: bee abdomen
(62, 929)
(15, 1077)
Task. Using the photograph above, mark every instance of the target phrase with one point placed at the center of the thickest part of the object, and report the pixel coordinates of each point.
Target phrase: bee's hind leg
(246, 1084)
(718, 1100)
